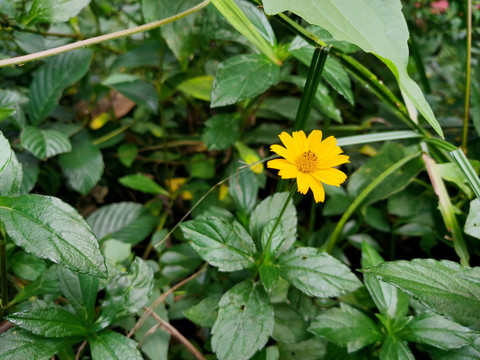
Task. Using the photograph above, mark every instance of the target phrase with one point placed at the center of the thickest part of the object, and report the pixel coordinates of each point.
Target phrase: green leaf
(204, 313)
(49, 322)
(316, 273)
(127, 293)
(268, 353)
(431, 329)
(125, 221)
(143, 184)
(270, 209)
(467, 170)
(223, 243)
(221, 131)
(452, 172)
(258, 19)
(5, 113)
(276, 239)
(52, 78)
(113, 346)
(127, 153)
(436, 285)
(243, 187)
(199, 87)
(10, 169)
(385, 34)
(47, 283)
(472, 224)
(30, 171)
(471, 352)
(311, 349)
(179, 261)
(244, 322)
(391, 301)
(52, 11)
(394, 348)
(21, 344)
(81, 292)
(140, 92)
(44, 143)
(26, 266)
(252, 74)
(270, 275)
(50, 229)
(83, 166)
(290, 326)
(12, 99)
(202, 167)
(346, 326)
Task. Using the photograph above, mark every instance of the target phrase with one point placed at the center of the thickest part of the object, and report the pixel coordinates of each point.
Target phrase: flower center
(307, 162)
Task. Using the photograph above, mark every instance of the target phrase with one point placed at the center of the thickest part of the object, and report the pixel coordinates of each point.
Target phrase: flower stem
(467, 75)
(3, 270)
(102, 38)
(328, 246)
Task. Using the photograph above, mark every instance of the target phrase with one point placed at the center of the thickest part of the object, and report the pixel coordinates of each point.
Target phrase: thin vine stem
(102, 38)
(468, 76)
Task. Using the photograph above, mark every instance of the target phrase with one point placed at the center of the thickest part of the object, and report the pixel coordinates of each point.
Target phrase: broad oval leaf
(49, 322)
(113, 346)
(244, 322)
(125, 221)
(223, 243)
(44, 143)
(250, 76)
(435, 284)
(316, 273)
(52, 78)
(10, 169)
(51, 229)
(376, 26)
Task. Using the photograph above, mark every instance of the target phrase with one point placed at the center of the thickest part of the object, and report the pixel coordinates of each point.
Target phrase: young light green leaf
(290, 326)
(49, 322)
(81, 291)
(199, 87)
(221, 131)
(394, 348)
(22, 344)
(52, 11)
(83, 166)
(436, 285)
(142, 183)
(125, 221)
(44, 143)
(52, 78)
(385, 34)
(127, 153)
(346, 326)
(10, 170)
(432, 329)
(244, 322)
(270, 209)
(391, 302)
(316, 273)
(252, 74)
(204, 313)
(223, 243)
(114, 346)
(49, 228)
(472, 224)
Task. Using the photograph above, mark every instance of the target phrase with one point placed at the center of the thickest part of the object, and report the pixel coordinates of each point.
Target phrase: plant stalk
(468, 76)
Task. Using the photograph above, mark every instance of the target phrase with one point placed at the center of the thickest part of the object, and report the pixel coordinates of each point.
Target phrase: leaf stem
(3, 270)
(328, 246)
(468, 76)
(101, 38)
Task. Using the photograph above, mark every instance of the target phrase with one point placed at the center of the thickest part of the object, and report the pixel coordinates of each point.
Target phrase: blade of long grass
(381, 136)
(461, 160)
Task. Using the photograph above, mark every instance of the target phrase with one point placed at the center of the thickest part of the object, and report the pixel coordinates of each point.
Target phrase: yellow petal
(287, 170)
(300, 140)
(334, 161)
(326, 147)
(286, 153)
(314, 138)
(330, 176)
(290, 144)
(318, 191)
(277, 163)
(303, 182)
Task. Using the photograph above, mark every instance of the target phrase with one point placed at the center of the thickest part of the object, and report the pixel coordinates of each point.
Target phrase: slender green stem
(467, 75)
(328, 247)
(265, 251)
(311, 85)
(3, 269)
(102, 38)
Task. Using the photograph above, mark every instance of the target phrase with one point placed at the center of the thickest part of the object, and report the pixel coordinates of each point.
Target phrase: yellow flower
(309, 160)
(174, 184)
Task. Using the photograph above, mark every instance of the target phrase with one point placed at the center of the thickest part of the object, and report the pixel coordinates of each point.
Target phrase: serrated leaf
(270, 209)
(114, 346)
(10, 169)
(81, 292)
(316, 273)
(394, 348)
(290, 326)
(143, 184)
(385, 34)
(49, 322)
(21, 344)
(204, 313)
(391, 302)
(44, 143)
(244, 322)
(221, 131)
(436, 285)
(83, 166)
(347, 326)
(243, 188)
(52, 78)
(125, 221)
(431, 329)
(52, 11)
(223, 243)
(26, 266)
(50, 229)
(252, 74)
